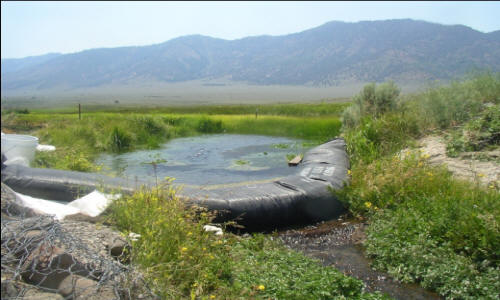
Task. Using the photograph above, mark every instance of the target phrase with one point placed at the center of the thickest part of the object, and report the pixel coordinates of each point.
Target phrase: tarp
(92, 205)
(302, 197)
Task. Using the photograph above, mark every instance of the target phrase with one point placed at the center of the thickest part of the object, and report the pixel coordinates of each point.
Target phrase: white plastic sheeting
(45, 148)
(216, 230)
(92, 205)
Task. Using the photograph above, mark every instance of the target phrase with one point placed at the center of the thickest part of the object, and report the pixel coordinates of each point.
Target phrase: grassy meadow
(425, 226)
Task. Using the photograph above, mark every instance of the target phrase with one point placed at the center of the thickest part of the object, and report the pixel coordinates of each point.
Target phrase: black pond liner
(302, 197)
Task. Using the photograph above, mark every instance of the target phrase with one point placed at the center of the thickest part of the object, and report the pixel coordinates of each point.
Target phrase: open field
(192, 93)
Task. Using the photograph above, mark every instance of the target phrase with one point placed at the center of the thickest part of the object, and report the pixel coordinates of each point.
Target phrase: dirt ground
(466, 166)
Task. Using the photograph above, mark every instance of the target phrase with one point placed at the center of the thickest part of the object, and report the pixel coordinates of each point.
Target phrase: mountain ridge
(331, 54)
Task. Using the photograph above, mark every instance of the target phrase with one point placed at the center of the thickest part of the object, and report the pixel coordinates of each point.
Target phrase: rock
(83, 218)
(14, 289)
(12, 207)
(118, 247)
(37, 295)
(48, 265)
(79, 287)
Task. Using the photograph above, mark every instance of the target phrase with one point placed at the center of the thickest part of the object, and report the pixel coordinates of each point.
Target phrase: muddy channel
(338, 243)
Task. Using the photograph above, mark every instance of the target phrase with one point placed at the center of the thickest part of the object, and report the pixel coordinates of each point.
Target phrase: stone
(118, 246)
(19, 290)
(37, 295)
(78, 287)
(83, 218)
(48, 265)
(11, 206)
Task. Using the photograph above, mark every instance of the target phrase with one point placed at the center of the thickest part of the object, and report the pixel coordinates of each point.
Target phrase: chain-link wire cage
(43, 258)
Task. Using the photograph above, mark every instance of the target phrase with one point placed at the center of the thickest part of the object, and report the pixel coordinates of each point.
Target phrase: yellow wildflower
(184, 249)
(212, 297)
(429, 174)
(481, 175)
(349, 172)
(426, 156)
(368, 204)
(261, 287)
(189, 233)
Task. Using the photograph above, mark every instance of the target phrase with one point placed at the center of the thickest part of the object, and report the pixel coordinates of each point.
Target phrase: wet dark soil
(338, 243)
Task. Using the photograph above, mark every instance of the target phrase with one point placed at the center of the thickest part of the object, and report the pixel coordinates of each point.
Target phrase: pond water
(209, 159)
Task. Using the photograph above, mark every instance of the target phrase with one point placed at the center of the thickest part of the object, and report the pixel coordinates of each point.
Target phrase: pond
(210, 159)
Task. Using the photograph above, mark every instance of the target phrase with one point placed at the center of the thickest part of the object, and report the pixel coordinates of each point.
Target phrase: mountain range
(333, 54)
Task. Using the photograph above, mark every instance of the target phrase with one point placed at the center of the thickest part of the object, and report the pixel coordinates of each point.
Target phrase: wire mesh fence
(43, 258)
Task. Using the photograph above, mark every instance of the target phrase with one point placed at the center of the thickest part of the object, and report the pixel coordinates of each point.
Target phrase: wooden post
(79, 111)
(256, 112)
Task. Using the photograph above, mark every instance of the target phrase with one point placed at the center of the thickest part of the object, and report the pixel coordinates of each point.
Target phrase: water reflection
(209, 159)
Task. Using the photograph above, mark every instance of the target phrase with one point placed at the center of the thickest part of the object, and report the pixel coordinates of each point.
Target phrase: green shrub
(371, 101)
(428, 227)
(374, 138)
(487, 85)
(449, 106)
(477, 134)
(208, 125)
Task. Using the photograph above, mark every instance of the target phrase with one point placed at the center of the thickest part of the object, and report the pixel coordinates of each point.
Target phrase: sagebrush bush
(372, 101)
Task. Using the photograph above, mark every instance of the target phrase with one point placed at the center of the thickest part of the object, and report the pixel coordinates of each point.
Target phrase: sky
(36, 28)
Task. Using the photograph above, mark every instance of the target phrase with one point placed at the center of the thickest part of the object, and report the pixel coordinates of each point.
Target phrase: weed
(181, 260)
(242, 162)
(119, 140)
(281, 146)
